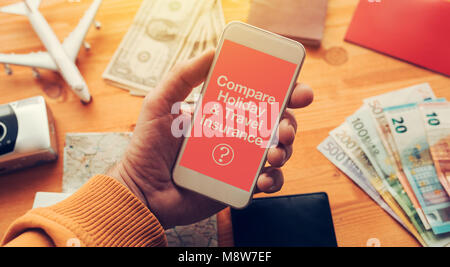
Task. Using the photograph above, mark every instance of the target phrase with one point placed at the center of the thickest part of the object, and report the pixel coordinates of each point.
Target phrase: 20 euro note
(409, 134)
(436, 118)
(344, 138)
(413, 94)
(334, 153)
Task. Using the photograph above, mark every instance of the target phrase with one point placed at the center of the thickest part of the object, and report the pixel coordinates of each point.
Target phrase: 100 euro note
(343, 136)
(366, 135)
(436, 118)
(409, 134)
(334, 153)
(157, 35)
(417, 93)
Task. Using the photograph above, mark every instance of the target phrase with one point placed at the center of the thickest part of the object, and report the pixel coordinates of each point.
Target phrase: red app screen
(235, 119)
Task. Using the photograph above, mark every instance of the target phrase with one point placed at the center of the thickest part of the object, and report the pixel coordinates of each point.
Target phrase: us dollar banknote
(163, 33)
(153, 40)
(209, 29)
(436, 118)
(409, 134)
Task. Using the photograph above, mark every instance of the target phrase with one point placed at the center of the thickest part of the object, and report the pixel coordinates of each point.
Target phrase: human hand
(146, 168)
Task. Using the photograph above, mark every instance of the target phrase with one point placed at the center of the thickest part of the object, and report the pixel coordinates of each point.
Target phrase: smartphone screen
(235, 120)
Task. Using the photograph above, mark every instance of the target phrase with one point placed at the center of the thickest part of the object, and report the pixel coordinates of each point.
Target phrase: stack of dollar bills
(396, 148)
(163, 34)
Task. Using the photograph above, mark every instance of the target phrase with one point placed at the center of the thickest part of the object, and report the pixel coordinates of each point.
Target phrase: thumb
(180, 81)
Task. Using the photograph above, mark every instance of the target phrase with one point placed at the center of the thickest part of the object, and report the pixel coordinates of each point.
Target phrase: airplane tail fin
(21, 8)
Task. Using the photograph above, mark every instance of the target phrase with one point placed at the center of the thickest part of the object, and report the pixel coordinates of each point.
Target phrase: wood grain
(341, 74)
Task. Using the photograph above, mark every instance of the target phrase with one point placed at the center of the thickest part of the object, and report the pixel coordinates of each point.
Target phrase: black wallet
(287, 221)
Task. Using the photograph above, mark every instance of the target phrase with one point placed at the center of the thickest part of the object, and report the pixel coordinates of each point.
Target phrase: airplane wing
(34, 60)
(73, 42)
(16, 9)
(20, 8)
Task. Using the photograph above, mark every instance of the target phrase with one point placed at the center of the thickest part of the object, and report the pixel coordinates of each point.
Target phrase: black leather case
(288, 221)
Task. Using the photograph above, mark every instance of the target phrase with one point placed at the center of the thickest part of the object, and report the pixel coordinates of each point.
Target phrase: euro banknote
(412, 94)
(365, 133)
(343, 136)
(409, 134)
(364, 147)
(334, 153)
(436, 118)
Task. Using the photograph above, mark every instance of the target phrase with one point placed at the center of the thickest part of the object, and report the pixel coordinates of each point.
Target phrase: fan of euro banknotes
(163, 33)
(396, 148)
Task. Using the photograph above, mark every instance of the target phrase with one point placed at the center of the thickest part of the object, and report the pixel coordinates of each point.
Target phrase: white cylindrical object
(28, 134)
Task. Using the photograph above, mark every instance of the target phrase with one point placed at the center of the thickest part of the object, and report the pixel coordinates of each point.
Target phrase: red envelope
(417, 31)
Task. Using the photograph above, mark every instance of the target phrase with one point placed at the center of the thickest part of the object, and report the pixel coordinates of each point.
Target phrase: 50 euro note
(436, 118)
(409, 134)
(343, 136)
(154, 40)
(413, 94)
(334, 153)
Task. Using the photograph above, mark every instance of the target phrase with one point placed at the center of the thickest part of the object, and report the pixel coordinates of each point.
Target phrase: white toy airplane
(59, 57)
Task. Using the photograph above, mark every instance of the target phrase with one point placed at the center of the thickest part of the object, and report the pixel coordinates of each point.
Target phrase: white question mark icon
(224, 156)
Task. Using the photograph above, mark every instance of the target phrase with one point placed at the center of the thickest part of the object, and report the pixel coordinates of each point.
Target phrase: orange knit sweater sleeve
(102, 213)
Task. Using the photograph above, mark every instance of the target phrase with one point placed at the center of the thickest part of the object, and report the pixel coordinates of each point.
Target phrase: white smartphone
(246, 91)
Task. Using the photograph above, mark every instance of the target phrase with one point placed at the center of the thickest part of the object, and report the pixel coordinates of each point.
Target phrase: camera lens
(3, 131)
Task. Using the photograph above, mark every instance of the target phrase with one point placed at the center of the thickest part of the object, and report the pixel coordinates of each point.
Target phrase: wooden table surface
(341, 74)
